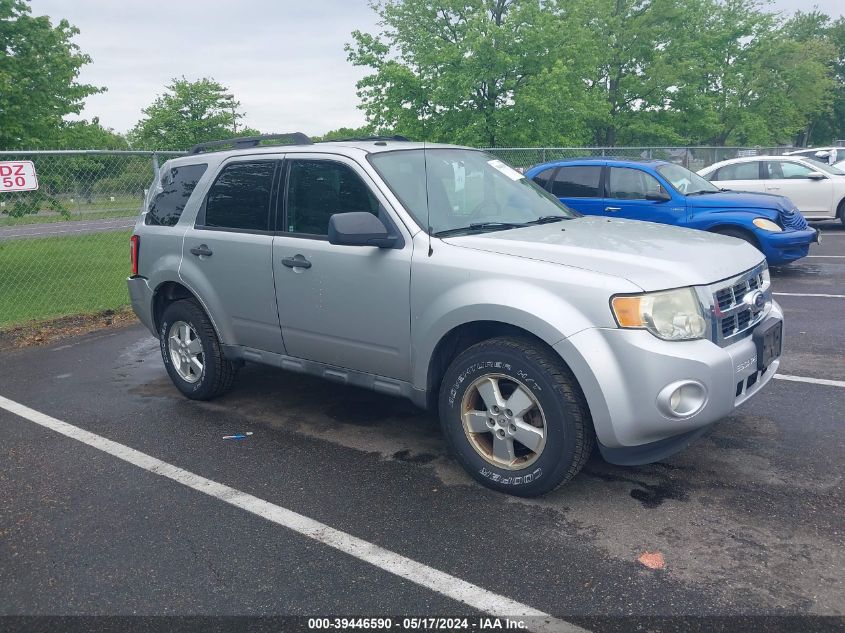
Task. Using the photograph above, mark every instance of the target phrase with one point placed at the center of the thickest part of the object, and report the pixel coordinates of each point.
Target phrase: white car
(829, 155)
(817, 189)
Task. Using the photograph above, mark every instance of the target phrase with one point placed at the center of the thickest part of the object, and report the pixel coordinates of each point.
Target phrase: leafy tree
(746, 81)
(636, 66)
(345, 132)
(89, 135)
(467, 71)
(532, 72)
(815, 29)
(189, 112)
(39, 68)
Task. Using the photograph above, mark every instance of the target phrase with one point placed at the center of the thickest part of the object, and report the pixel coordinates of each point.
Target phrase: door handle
(297, 261)
(613, 208)
(202, 249)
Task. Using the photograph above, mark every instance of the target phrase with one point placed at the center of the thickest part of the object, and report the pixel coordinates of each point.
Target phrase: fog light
(682, 399)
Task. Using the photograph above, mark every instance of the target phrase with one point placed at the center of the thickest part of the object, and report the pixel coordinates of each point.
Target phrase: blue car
(660, 191)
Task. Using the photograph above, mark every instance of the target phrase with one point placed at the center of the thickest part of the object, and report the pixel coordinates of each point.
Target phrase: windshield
(825, 168)
(685, 181)
(466, 189)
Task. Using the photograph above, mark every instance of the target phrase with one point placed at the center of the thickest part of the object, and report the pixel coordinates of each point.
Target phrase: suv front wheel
(191, 352)
(514, 416)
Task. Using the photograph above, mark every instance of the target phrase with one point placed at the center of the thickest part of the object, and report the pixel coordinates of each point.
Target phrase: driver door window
(792, 171)
(317, 189)
(631, 184)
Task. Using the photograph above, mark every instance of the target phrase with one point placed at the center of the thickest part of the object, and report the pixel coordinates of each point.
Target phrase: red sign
(17, 175)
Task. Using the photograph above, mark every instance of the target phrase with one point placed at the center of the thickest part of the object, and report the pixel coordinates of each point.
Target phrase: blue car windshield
(685, 181)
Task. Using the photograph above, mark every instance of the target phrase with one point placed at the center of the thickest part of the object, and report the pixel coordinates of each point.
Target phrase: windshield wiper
(704, 191)
(479, 227)
(546, 219)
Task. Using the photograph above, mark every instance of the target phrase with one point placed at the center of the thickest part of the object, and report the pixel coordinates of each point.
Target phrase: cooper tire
(199, 375)
(525, 366)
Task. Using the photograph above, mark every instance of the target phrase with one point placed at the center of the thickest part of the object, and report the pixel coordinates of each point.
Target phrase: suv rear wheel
(191, 352)
(514, 417)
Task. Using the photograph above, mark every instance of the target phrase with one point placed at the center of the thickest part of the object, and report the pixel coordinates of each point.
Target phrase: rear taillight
(134, 246)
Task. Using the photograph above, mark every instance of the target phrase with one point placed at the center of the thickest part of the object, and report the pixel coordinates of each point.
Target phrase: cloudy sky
(283, 59)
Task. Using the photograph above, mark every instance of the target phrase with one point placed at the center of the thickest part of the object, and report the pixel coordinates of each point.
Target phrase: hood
(732, 200)
(651, 256)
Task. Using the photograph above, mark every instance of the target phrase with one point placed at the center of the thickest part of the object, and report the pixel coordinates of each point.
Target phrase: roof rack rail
(377, 137)
(244, 142)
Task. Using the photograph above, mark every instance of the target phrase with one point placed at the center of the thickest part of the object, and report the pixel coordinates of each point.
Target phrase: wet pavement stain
(364, 409)
(649, 495)
(406, 456)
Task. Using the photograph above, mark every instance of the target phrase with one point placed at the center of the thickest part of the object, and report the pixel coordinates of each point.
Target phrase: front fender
(709, 219)
(538, 310)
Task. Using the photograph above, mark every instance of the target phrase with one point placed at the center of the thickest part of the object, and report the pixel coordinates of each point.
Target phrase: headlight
(673, 315)
(767, 225)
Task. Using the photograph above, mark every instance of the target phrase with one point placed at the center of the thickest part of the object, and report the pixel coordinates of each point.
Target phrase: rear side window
(175, 187)
(240, 197)
(580, 181)
(543, 177)
(738, 171)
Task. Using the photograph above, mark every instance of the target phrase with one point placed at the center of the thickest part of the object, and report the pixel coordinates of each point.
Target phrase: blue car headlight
(767, 225)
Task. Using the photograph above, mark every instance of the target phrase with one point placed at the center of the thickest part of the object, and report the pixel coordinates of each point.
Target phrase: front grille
(732, 317)
(792, 219)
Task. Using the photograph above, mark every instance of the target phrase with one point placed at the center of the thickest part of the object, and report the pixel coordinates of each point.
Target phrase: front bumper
(786, 246)
(623, 372)
(141, 296)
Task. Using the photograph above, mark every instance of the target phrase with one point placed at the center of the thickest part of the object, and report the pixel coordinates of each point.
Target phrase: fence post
(155, 167)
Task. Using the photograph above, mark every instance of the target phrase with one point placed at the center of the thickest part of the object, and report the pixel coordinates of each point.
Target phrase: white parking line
(440, 582)
(806, 294)
(815, 381)
(826, 256)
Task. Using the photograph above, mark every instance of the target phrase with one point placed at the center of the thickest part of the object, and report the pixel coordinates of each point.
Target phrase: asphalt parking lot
(749, 520)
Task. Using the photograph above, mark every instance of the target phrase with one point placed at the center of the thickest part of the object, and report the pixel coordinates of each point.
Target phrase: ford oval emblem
(755, 299)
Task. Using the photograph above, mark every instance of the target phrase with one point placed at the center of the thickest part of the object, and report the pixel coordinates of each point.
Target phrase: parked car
(440, 274)
(816, 188)
(828, 155)
(663, 192)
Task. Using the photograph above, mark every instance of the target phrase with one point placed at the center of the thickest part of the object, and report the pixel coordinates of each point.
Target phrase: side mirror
(359, 228)
(815, 175)
(658, 196)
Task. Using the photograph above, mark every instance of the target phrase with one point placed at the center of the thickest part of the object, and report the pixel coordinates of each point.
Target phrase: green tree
(745, 80)
(88, 135)
(636, 66)
(345, 132)
(471, 71)
(815, 30)
(39, 67)
(189, 112)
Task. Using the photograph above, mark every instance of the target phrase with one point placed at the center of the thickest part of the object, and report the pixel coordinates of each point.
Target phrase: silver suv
(440, 274)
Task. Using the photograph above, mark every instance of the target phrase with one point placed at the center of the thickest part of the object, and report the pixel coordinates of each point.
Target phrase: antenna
(427, 204)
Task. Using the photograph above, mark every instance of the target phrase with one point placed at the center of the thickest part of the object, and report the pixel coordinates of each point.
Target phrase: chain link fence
(693, 158)
(64, 249)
